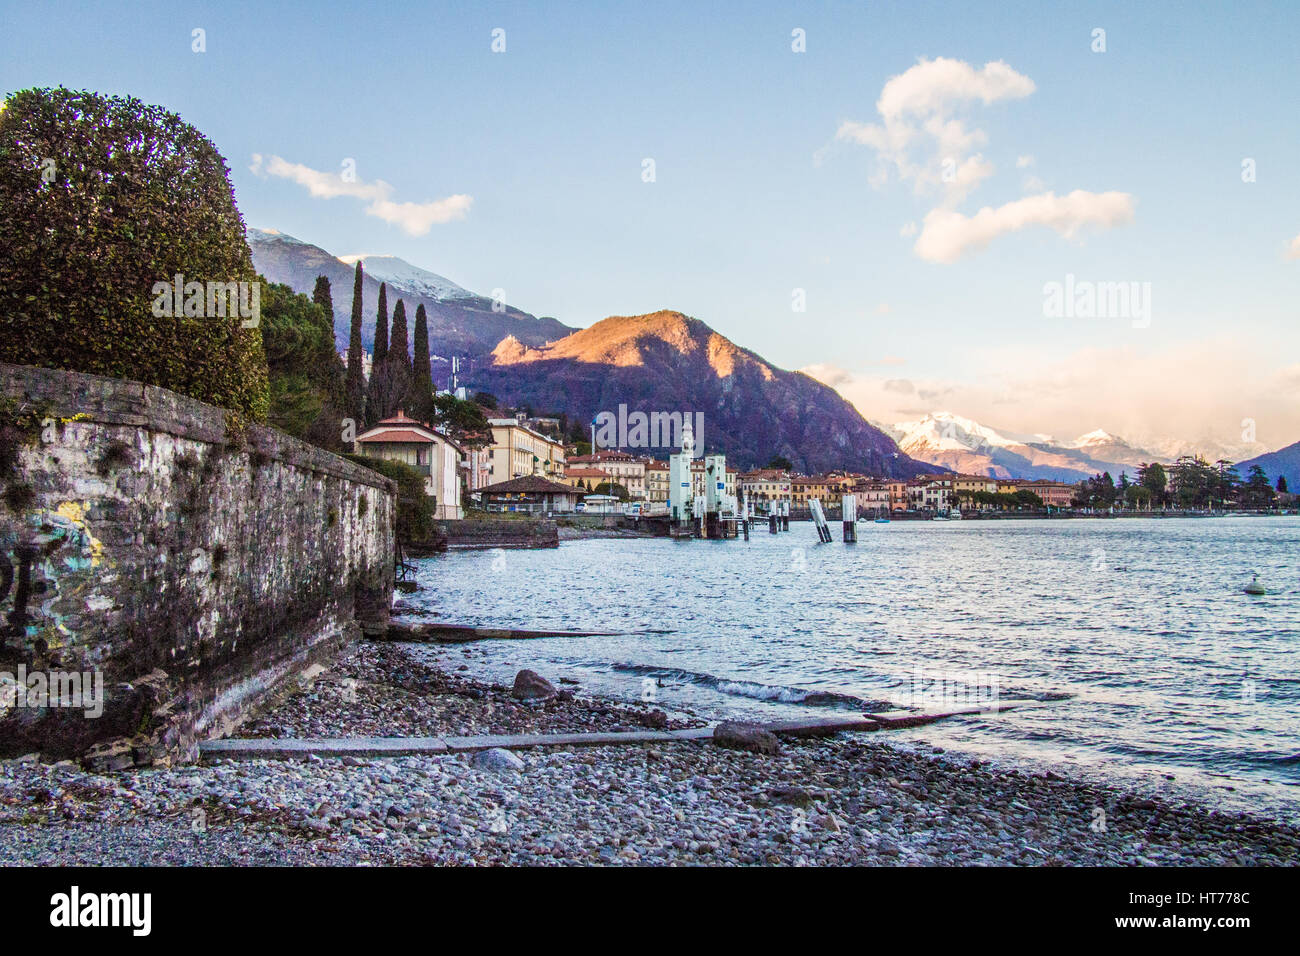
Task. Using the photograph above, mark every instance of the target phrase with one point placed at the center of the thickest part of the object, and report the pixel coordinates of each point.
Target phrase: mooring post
(819, 519)
(849, 514)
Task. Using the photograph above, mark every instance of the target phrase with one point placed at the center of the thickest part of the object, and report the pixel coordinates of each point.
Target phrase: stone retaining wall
(499, 533)
(196, 566)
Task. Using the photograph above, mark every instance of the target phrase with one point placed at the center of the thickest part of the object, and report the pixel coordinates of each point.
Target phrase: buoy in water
(1254, 587)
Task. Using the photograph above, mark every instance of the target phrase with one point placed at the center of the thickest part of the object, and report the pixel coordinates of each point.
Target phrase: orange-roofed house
(429, 452)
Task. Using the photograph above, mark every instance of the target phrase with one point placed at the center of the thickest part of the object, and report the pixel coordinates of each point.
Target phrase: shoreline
(849, 799)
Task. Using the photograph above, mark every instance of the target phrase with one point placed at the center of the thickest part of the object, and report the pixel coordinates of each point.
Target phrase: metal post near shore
(849, 514)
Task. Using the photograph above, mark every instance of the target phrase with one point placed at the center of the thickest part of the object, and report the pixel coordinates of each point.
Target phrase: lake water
(1137, 631)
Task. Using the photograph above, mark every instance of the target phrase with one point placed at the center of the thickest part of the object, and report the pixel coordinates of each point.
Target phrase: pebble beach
(853, 799)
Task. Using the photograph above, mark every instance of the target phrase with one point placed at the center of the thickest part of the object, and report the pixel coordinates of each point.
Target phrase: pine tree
(355, 385)
(420, 401)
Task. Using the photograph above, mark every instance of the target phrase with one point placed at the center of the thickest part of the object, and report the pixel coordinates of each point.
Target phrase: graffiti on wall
(54, 546)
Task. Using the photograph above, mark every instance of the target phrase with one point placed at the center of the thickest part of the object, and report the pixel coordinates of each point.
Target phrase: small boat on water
(882, 521)
(954, 515)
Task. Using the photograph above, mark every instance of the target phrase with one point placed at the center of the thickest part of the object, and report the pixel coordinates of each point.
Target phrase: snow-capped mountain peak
(967, 446)
(400, 273)
(1098, 436)
(947, 431)
(273, 235)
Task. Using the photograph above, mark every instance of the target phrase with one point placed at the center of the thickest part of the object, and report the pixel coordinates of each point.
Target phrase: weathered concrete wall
(197, 565)
(498, 533)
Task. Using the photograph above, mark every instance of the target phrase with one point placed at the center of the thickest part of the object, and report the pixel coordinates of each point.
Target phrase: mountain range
(661, 362)
(964, 445)
(460, 322)
(967, 446)
(666, 361)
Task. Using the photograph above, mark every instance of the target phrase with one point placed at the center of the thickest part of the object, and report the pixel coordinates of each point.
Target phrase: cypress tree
(394, 384)
(397, 345)
(355, 386)
(321, 295)
(329, 368)
(421, 400)
(377, 390)
(381, 326)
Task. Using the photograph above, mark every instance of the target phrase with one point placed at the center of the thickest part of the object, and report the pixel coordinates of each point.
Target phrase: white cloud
(419, 218)
(326, 185)
(919, 139)
(416, 219)
(1293, 248)
(947, 235)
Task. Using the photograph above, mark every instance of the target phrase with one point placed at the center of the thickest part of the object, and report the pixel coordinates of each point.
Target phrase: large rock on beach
(497, 760)
(530, 685)
(742, 736)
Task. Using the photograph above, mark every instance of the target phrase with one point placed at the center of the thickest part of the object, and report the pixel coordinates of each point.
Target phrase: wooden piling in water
(819, 519)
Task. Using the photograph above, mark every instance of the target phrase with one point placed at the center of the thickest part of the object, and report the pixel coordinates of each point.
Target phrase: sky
(881, 194)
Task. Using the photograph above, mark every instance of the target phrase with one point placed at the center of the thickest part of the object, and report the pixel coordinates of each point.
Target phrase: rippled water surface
(1137, 631)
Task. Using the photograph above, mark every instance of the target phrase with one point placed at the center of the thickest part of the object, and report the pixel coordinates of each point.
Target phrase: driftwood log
(460, 633)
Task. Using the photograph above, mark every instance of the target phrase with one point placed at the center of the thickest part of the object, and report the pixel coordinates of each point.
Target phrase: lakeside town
(523, 464)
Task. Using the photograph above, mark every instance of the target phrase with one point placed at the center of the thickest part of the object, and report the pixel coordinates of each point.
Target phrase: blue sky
(762, 188)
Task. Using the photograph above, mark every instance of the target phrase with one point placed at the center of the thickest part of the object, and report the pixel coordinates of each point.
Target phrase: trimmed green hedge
(103, 197)
(414, 507)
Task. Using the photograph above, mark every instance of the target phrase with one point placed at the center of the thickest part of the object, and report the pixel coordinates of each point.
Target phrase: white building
(429, 452)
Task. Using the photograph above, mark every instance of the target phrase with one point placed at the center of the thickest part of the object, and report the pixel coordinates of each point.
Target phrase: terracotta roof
(382, 433)
(399, 419)
(400, 428)
(607, 456)
(528, 485)
(585, 473)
